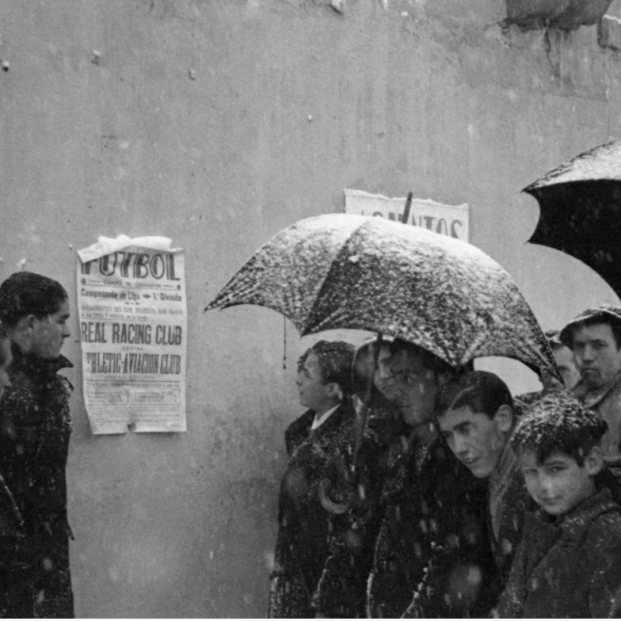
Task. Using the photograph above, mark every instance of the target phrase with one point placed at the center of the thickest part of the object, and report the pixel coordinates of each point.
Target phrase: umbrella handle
(406, 209)
(327, 503)
(367, 399)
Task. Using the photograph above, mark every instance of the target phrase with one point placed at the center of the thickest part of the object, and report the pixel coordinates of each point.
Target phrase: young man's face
(314, 394)
(558, 484)
(412, 387)
(596, 354)
(476, 439)
(49, 333)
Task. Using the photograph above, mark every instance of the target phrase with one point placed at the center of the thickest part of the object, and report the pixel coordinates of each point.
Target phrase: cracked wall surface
(218, 123)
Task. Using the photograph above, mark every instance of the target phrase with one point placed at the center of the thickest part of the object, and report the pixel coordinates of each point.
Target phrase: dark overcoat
(308, 533)
(432, 555)
(571, 569)
(35, 426)
(515, 504)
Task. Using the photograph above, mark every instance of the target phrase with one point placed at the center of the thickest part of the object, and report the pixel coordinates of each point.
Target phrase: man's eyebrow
(462, 425)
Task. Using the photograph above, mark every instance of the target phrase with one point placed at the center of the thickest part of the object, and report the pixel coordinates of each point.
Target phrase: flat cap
(605, 312)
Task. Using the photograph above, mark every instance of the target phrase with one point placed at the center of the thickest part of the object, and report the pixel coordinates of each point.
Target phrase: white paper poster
(133, 333)
(451, 220)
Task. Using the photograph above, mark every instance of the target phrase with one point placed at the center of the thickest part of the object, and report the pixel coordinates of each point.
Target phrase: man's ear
(504, 418)
(594, 461)
(26, 323)
(335, 391)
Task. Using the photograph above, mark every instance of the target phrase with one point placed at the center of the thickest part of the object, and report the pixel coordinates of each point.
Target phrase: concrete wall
(217, 123)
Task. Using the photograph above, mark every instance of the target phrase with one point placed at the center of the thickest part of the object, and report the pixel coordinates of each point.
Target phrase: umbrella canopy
(580, 215)
(345, 271)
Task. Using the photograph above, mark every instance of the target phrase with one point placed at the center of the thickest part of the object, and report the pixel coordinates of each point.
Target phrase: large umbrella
(345, 271)
(581, 210)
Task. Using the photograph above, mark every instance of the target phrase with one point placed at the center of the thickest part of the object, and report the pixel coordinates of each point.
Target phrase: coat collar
(300, 428)
(32, 365)
(592, 397)
(576, 522)
(334, 420)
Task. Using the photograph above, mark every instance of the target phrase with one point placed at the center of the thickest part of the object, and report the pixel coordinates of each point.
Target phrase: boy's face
(313, 392)
(558, 484)
(596, 354)
(476, 439)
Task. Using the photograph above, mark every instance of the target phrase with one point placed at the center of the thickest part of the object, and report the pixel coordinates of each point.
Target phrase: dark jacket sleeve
(512, 599)
(604, 548)
(341, 591)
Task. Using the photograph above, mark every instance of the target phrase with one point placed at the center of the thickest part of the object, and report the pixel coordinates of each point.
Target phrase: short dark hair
(482, 391)
(559, 423)
(335, 360)
(27, 293)
(430, 361)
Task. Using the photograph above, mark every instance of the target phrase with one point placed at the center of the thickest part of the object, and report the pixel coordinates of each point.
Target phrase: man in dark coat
(11, 522)
(476, 415)
(320, 444)
(35, 426)
(430, 547)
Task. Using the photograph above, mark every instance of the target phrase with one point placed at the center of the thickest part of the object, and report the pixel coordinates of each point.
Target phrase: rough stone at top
(562, 14)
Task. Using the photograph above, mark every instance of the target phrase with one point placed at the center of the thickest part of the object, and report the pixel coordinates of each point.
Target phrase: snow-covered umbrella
(341, 271)
(580, 203)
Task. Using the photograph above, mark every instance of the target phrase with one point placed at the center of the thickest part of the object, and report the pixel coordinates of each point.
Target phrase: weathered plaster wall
(217, 123)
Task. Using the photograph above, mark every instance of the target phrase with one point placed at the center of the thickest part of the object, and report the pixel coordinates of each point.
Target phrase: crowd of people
(413, 489)
(456, 499)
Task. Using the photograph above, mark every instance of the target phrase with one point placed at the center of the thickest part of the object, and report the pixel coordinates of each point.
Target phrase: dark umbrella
(345, 271)
(581, 210)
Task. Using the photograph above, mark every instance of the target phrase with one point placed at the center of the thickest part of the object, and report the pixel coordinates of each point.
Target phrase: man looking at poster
(35, 426)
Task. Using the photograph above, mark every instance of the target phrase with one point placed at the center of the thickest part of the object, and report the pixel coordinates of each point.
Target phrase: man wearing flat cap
(594, 336)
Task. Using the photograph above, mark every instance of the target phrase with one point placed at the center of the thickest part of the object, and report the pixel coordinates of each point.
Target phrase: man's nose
(587, 353)
(460, 446)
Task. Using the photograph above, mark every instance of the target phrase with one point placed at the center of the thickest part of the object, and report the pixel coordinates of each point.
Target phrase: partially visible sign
(133, 332)
(451, 220)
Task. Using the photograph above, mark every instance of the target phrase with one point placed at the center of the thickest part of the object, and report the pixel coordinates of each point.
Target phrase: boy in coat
(569, 560)
(320, 445)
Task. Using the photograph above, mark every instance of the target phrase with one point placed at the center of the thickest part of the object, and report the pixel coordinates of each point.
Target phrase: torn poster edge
(107, 245)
